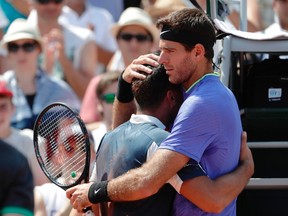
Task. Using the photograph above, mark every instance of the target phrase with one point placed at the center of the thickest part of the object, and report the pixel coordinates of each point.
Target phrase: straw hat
(21, 29)
(136, 16)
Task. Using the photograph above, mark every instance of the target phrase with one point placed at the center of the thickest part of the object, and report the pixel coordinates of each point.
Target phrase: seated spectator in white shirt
(97, 19)
(68, 50)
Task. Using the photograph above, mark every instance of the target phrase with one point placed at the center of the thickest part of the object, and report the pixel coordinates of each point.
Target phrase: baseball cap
(136, 16)
(21, 29)
(4, 90)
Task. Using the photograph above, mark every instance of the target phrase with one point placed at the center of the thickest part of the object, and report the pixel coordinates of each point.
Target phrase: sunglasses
(49, 1)
(26, 47)
(108, 98)
(138, 37)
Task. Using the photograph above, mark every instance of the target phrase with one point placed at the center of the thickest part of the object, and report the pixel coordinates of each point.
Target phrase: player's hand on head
(137, 67)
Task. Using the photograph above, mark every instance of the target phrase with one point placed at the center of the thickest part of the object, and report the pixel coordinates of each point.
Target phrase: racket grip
(88, 212)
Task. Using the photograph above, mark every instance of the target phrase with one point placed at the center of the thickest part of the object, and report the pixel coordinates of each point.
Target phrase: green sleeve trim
(209, 74)
(16, 210)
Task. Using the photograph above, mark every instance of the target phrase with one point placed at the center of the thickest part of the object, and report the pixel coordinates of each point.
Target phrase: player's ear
(198, 51)
(171, 97)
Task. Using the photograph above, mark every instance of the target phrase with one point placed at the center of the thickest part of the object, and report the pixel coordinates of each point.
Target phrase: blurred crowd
(73, 51)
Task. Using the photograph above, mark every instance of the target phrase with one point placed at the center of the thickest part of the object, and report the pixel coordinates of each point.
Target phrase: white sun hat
(21, 29)
(136, 16)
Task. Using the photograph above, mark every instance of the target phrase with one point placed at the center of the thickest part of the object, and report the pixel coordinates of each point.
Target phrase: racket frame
(85, 174)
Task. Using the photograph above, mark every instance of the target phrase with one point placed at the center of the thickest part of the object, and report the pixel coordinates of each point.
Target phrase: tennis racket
(62, 146)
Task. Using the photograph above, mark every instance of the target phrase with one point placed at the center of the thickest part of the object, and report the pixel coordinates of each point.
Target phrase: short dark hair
(151, 91)
(191, 22)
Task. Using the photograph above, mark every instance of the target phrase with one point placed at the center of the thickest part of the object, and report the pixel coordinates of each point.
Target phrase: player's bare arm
(135, 184)
(148, 179)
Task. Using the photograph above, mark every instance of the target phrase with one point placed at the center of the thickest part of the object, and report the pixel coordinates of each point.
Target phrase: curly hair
(150, 92)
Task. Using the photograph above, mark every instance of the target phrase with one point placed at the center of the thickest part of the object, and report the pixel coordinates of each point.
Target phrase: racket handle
(88, 212)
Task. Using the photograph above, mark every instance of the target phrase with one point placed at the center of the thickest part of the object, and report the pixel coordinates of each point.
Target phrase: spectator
(22, 140)
(32, 88)
(69, 51)
(88, 111)
(105, 91)
(16, 183)
(136, 35)
(98, 20)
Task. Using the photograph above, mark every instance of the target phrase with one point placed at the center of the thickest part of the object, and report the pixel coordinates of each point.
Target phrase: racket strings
(62, 145)
(70, 164)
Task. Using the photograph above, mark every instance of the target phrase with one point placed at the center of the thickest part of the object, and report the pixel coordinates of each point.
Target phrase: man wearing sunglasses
(136, 35)
(69, 51)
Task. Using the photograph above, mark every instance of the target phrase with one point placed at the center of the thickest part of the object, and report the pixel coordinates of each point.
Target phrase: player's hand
(132, 71)
(246, 157)
(78, 196)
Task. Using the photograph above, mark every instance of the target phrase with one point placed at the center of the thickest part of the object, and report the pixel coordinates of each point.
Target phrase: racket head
(62, 146)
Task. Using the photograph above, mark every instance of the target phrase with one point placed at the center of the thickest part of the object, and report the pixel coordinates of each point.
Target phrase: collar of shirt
(138, 119)
(205, 77)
